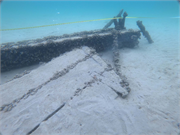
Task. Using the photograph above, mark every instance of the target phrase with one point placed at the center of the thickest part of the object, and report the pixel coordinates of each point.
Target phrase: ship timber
(25, 53)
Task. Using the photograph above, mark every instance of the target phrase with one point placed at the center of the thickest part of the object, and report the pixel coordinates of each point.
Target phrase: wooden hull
(26, 53)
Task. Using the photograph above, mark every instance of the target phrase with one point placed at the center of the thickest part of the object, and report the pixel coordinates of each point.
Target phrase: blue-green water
(21, 14)
(32, 13)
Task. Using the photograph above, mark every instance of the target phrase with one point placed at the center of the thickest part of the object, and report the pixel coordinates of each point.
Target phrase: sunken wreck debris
(116, 59)
(120, 25)
(34, 99)
(143, 30)
(122, 22)
(109, 24)
(26, 53)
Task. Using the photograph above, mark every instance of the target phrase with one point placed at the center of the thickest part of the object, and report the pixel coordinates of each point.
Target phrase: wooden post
(143, 30)
(109, 23)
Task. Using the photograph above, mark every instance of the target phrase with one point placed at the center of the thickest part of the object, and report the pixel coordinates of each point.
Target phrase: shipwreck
(72, 67)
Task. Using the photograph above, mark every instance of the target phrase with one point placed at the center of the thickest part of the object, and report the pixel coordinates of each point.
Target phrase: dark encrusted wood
(144, 31)
(111, 21)
(25, 53)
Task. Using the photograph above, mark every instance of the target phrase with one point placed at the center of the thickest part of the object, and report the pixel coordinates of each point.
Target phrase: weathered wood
(145, 33)
(57, 83)
(120, 25)
(116, 59)
(110, 22)
(25, 53)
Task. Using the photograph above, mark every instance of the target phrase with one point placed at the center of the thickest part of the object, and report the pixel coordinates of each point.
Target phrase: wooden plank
(56, 84)
(26, 53)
